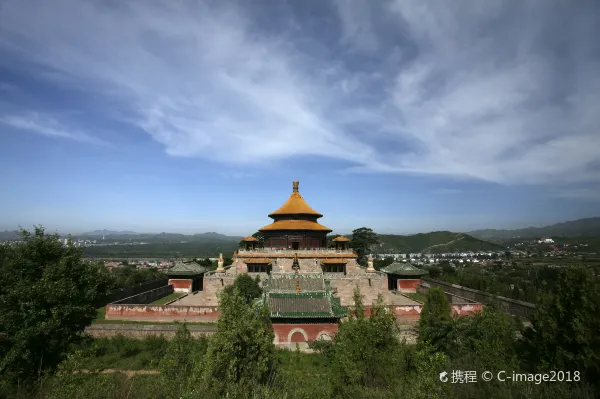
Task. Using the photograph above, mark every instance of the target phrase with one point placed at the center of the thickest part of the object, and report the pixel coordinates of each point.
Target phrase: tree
(379, 264)
(47, 298)
(435, 320)
(248, 287)
(177, 363)
(363, 239)
(241, 352)
(365, 350)
(564, 333)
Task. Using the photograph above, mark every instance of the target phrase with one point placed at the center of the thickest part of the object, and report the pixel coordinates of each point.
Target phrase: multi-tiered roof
(295, 214)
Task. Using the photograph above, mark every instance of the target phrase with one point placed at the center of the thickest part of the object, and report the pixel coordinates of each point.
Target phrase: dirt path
(128, 373)
(441, 245)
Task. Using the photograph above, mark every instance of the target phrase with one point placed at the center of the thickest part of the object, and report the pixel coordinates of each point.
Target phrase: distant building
(545, 241)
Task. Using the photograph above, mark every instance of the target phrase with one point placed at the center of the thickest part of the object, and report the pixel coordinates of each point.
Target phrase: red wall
(302, 332)
(181, 284)
(408, 285)
(207, 314)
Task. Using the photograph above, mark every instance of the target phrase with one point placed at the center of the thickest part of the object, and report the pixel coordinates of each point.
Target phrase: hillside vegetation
(589, 227)
(434, 242)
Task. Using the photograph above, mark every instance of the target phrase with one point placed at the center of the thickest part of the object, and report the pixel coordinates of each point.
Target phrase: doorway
(295, 245)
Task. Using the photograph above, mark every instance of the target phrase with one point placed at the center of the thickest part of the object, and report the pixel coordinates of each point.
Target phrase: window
(339, 268)
(258, 268)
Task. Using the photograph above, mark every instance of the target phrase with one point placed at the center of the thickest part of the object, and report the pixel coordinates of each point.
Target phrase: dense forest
(47, 297)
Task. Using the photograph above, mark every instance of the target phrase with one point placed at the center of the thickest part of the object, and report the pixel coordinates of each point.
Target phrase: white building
(545, 241)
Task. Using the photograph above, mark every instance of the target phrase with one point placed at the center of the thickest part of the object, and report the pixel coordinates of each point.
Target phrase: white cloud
(47, 126)
(472, 91)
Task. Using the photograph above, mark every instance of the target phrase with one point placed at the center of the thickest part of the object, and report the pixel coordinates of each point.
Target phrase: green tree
(365, 350)
(47, 298)
(363, 239)
(241, 352)
(435, 320)
(248, 287)
(564, 333)
(180, 360)
(379, 264)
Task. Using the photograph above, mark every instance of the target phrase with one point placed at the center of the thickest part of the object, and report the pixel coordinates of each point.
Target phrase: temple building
(307, 285)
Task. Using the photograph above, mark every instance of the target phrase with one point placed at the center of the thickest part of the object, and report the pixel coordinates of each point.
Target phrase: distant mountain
(9, 235)
(434, 242)
(109, 233)
(588, 227)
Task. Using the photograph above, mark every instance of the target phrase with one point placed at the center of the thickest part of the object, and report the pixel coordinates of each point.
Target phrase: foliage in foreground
(47, 298)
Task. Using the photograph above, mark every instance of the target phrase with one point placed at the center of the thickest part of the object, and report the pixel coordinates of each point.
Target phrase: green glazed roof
(186, 269)
(403, 269)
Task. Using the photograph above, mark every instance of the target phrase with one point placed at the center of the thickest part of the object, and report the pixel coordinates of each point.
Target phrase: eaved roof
(315, 299)
(403, 269)
(295, 205)
(295, 225)
(186, 269)
(341, 239)
(250, 239)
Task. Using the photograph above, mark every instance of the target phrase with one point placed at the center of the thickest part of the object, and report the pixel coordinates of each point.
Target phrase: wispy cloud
(587, 194)
(490, 92)
(47, 126)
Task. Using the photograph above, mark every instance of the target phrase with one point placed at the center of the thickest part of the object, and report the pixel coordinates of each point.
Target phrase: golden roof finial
(296, 183)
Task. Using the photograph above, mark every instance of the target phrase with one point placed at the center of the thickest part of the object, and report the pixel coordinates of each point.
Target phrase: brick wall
(288, 335)
(405, 285)
(162, 313)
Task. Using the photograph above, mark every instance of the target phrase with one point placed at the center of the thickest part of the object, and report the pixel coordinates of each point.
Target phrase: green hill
(434, 242)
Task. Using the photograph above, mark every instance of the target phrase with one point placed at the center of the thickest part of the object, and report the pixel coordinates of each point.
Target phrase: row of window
(326, 268)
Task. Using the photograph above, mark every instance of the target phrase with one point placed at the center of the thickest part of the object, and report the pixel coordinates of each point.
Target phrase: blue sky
(403, 116)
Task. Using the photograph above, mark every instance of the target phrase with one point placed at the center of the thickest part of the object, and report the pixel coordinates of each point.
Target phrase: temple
(308, 283)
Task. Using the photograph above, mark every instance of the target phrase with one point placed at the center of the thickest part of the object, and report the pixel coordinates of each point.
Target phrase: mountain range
(588, 227)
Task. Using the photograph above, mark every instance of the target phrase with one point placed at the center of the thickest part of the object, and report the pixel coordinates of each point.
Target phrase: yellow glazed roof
(295, 225)
(295, 205)
(340, 239)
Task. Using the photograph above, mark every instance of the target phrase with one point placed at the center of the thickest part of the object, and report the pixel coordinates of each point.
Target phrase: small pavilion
(341, 243)
(251, 243)
(403, 277)
(186, 276)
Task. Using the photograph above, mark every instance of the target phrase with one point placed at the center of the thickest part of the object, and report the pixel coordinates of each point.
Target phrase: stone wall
(147, 297)
(370, 288)
(510, 306)
(213, 285)
(162, 313)
(144, 331)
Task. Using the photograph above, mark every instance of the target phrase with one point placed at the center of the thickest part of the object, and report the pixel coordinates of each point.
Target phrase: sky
(402, 116)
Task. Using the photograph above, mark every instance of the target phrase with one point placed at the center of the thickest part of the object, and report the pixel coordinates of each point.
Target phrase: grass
(168, 298)
(417, 297)
(101, 313)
